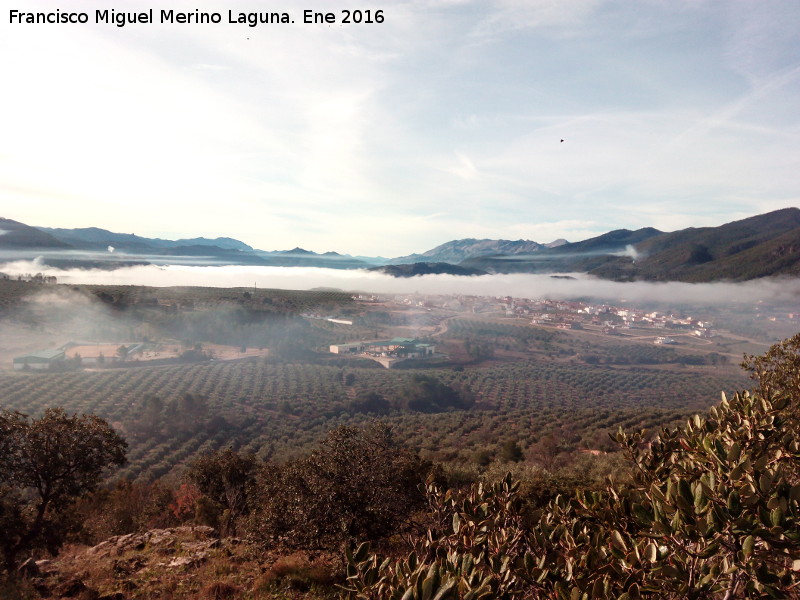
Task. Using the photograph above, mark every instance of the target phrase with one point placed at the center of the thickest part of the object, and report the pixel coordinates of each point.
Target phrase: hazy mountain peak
(456, 251)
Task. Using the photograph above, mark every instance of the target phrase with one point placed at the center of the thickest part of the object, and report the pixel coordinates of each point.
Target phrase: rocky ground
(177, 563)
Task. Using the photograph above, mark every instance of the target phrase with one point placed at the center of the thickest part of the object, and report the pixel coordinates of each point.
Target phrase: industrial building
(394, 348)
(40, 360)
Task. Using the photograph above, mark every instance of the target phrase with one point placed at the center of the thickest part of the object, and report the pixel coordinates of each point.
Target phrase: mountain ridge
(757, 246)
(455, 251)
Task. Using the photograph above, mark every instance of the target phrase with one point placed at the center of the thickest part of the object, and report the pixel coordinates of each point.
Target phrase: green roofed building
(39, 360)
(395, 348)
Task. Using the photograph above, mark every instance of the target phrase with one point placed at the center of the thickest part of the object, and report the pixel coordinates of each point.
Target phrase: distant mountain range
(91, 247)
(764, 245)
(92, 238)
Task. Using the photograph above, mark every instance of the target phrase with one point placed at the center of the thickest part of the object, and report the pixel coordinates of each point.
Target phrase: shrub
(370, 402)
(511, 452)
(126, 507)
(777, 371)
(298, 572)
(219, 590)
(45, 465)
(359, 484)
(226, 479)
(429, 395)
(712, 512)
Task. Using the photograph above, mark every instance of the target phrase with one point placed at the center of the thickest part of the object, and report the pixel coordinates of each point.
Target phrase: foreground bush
(712, 512)
(226, 479)
(359, 484)
(45, 465)
(125, 506)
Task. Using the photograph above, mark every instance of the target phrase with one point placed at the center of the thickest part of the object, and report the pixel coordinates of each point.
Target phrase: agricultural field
(279, 409)
(249, 369)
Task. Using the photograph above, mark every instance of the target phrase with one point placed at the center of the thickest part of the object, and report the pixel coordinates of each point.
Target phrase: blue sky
(443, 122)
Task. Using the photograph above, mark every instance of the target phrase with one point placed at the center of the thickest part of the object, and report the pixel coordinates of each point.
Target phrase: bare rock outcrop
(198, 538)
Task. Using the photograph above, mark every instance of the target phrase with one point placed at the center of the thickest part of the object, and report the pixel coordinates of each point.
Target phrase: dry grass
(300, 572)
(220, 591)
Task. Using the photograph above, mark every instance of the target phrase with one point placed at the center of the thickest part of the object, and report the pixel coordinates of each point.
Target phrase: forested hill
(760, 246)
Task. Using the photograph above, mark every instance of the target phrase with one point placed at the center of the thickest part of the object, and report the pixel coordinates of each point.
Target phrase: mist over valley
(425, 300)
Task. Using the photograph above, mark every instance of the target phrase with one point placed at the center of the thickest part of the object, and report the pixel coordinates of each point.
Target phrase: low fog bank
(517, 285)
(50, 317)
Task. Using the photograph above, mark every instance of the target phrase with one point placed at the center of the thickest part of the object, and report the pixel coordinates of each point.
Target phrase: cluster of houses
(561, 314)
(573, 315)
(553, 312)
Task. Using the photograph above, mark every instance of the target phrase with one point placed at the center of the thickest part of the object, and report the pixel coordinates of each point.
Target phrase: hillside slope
(16, 235)
(761, 246)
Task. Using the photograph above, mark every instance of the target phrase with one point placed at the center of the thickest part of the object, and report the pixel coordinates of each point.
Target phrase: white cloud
(345, 138)
(464, 168)
(512, 15)
(570, 230)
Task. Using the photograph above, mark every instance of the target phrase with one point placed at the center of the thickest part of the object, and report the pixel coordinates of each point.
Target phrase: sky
(442, 122)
